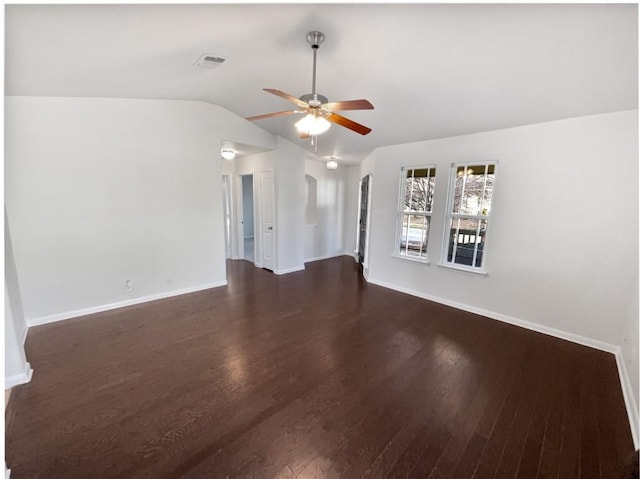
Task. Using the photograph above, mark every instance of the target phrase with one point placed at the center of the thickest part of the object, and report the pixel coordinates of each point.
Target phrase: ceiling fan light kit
(228, 154)
(312, 125)
(332, 164)
(319, 112)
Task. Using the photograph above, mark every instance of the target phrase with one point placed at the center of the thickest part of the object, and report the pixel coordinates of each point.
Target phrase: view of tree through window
(415, 211)
(469, 215)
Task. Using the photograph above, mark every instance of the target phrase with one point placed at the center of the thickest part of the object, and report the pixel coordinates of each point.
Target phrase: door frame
(262, 223)
(227, 214)
(365, 260)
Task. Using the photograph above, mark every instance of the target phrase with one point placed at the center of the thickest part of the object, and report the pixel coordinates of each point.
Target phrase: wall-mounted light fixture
(228, 154)
(332, 164)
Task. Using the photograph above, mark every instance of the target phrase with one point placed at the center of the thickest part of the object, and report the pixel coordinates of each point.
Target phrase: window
(414, 215)
(469, 206)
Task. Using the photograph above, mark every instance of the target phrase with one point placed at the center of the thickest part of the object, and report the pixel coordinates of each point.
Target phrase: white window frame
(401, 212)
(449, 216)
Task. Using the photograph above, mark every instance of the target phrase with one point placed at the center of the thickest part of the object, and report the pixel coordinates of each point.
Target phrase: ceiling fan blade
(349, 105)
(352, 125)
(271, 115)
(286, 96)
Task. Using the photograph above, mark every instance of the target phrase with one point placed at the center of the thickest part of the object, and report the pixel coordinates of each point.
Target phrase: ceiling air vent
(210, 61)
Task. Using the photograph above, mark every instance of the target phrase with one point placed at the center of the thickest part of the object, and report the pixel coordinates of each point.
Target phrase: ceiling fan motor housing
(314, 100)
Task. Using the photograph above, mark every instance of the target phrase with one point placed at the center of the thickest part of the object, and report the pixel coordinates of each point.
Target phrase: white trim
(290, 270)
(627, 390)
(410, 258)
(23, 338)
(18, 379)
(465, 269)
(402, 212)
(575, 338)
(120, 304)
(629, 399)
(449, 215)
(327, 256)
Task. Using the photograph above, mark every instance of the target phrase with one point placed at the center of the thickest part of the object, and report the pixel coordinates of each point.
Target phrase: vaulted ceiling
(430, 70)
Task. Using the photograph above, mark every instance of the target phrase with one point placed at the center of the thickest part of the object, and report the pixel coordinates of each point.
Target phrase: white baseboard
(629, 398)
(120, 304)
(290, 270)
(575, 338)
(627, 390)
(18, 379)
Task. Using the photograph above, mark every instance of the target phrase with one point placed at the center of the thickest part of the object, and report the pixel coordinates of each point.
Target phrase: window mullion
(484, 187)
(475, 245)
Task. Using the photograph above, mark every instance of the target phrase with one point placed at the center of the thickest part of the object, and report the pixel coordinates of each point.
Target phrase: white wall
(12, 285)
(630, 354)
(562, 246)
(102, 190)
(350, 218)
(562, 249)
(290, 188)
(326, 236)
(16, 368)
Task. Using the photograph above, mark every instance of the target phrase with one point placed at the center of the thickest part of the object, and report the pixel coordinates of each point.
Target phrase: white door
(268, 206)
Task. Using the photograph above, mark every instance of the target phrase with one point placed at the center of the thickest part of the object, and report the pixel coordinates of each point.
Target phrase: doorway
(363, 219)
(248, 219)
(226, 213)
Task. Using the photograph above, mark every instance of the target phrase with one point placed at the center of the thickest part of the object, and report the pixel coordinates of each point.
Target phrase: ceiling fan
(319, 112)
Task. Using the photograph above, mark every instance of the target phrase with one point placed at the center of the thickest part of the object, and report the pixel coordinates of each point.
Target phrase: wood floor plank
(312, 374)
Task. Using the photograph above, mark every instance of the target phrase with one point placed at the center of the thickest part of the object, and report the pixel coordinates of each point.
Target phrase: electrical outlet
(128, 285)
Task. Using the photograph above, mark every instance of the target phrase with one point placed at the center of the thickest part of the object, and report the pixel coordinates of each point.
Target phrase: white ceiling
(431, 70)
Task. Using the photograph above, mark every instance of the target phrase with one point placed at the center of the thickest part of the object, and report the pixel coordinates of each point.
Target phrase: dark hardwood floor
(311, 374)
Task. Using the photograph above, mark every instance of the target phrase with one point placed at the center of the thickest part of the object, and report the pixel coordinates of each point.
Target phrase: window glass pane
(458, 189)
(430, 187)
(419, 196)
(418, 190)
(466, 241)
(415, 233)
(474, 186)
(473, 189)
(408, 188)
(404, 232)
(488, 193)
